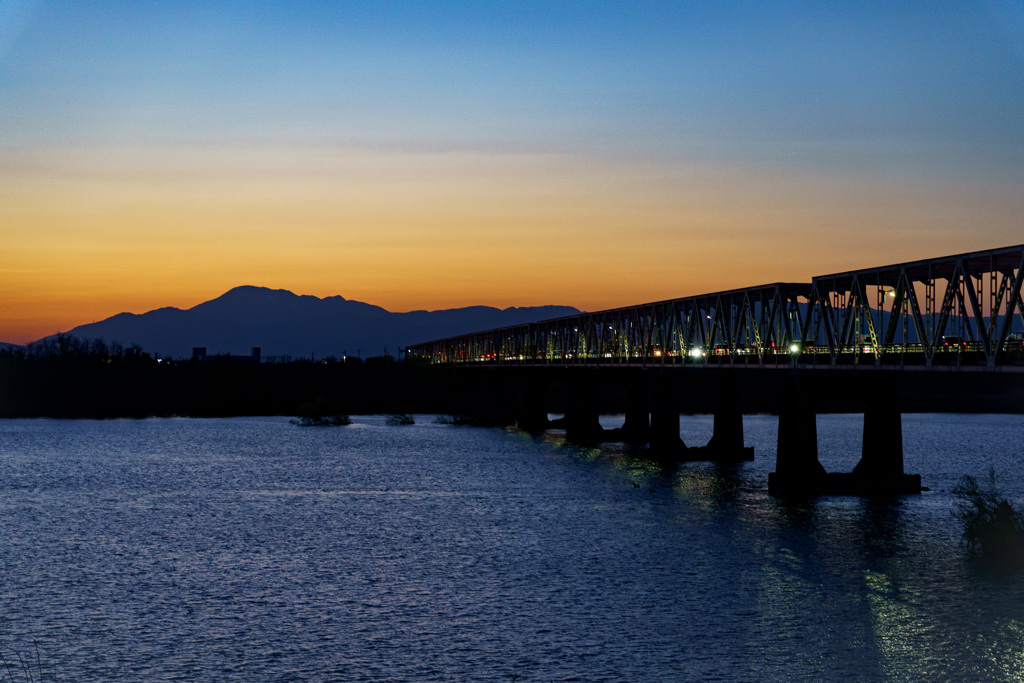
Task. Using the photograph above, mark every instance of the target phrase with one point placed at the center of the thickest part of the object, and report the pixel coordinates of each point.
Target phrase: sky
(428, 155)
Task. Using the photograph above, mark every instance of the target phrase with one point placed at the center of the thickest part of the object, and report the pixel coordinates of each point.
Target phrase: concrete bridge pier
(582, 419)
(531, 415)
(726, 444)
(664, 430)
(797, 469)
(636, 429)
(880, 470)
(487, 403)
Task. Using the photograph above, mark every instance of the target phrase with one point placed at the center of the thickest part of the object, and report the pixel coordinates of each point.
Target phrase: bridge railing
(962, 309)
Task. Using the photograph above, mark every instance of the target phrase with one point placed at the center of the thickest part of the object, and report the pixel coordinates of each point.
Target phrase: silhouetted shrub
(401, 419)
(991, 526)
(321, 413)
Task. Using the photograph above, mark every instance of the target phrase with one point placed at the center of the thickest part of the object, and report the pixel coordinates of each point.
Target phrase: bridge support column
(797, 469)
(489, 403)
(636, 429)
(665, 439)
(880, 470)
(726, 443)
(531, 415)
(582, 423)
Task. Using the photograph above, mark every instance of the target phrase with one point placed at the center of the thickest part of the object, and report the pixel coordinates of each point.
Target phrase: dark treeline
(71, 378)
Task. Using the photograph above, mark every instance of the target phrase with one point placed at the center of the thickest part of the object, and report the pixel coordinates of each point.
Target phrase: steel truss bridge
(963, 310)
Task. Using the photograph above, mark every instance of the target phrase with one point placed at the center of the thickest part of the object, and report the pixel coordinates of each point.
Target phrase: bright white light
(794, 348)
(696, 352)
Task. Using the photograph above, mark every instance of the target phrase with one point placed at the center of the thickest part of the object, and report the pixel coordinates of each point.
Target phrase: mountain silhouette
(285, 324)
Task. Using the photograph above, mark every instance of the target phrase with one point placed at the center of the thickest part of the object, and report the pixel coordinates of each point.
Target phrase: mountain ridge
(282, 323)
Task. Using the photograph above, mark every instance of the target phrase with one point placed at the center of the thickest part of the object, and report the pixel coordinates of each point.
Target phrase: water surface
(250, 549)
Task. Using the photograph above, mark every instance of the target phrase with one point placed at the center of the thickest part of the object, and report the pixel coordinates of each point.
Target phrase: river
(249, 549)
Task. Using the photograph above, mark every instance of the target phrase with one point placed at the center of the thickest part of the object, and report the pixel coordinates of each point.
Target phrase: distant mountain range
(285, 324)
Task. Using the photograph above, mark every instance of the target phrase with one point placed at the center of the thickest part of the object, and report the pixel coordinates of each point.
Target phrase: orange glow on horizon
(89, 233)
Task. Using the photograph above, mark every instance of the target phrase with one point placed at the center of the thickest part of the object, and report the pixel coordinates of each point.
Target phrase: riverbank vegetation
(69, 378)
(322, 413)
(992, 528)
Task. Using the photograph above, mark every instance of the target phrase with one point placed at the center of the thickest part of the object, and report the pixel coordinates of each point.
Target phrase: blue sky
(615, 75)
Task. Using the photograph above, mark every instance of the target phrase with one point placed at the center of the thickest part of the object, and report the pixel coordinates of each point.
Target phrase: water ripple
(248, 549)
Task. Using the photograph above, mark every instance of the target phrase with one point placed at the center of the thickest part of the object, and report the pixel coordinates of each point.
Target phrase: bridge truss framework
(963, 310)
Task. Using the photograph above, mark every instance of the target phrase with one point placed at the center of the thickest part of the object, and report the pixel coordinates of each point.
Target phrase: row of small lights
(696, 352)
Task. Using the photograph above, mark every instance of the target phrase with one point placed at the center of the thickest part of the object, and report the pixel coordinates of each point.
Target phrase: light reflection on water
(249, 549)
